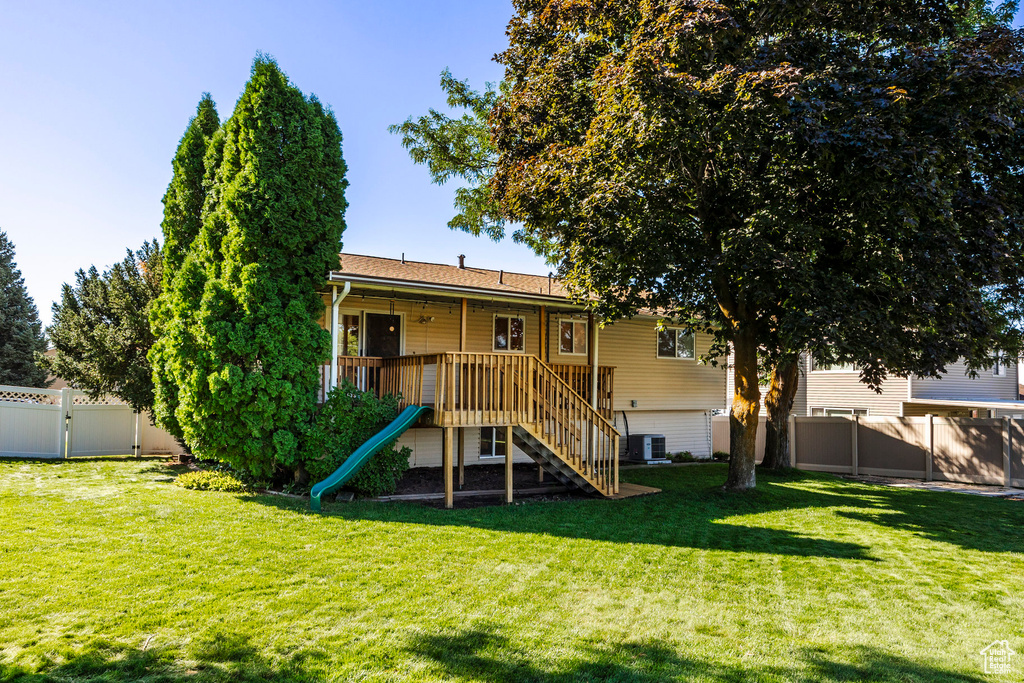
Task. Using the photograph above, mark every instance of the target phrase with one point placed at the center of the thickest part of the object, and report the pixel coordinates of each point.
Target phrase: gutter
(335, 303)
(468, 292)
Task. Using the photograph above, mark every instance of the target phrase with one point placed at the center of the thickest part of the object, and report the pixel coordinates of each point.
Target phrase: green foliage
(101, 332)
(461, 148)
(21, 333)
(683, 456)
(345, 421)
(380, 476)
(832, 175)
(212, 480)
(242, 345)
(720, 455)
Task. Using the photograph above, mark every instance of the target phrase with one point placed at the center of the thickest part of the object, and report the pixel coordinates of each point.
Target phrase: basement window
(492, 442)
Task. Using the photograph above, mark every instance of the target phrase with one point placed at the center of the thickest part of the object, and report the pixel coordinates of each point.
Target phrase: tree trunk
(743, 419)
(779, 403)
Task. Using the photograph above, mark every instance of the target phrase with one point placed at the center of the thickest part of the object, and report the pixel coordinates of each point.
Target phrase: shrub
(343, 423)
(380, 476)
(212, 480)
(685, 456)
(720, 455)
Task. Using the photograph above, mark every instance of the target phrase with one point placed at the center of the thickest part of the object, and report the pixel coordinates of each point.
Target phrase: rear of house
(638, 378)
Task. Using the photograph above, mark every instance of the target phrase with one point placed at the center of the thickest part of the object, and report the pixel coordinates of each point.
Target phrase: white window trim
(586, 337)
(658, 331)
(999, 369)
(811, 409)
(341, 325)
(492, 456)
(493, 340)
(841, 372)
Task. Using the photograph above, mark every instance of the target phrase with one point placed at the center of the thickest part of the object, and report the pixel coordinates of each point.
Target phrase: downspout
(335, 303)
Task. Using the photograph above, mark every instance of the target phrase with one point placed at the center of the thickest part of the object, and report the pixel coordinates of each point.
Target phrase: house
(506, 357)
(837, 390)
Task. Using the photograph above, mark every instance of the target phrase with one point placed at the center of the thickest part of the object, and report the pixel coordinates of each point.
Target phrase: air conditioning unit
(646, 447)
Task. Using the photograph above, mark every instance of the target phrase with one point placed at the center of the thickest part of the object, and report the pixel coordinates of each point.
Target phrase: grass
(108, 572)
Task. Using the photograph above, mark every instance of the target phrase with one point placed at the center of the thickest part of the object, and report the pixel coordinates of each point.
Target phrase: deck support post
(508, 464)
(462, 457)
(449, 488)
(540, 474)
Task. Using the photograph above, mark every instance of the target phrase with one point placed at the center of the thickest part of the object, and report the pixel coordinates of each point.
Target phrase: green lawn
(110, 572)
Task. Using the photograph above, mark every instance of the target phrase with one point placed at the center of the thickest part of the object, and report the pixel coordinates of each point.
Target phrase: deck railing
(496, 389)
(578, 377)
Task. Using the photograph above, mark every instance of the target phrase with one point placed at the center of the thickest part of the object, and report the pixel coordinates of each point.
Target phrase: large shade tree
(768, 172)
(101, 333)
(21, 332)
(246, 294)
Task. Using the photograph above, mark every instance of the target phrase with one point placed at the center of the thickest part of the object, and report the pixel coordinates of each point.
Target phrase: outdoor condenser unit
(646, 447)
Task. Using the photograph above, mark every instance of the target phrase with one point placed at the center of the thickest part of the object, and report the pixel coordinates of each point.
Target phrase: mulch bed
(478, 478)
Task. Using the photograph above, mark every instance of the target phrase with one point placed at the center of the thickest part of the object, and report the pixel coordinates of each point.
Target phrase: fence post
(930, 457)
(854, 454)
(63, 424)
(1006, 451)
(792, 439)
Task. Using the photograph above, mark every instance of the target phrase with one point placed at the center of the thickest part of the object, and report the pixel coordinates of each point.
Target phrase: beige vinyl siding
(631, 347)
(426, 445)
(835, 389)
(684, 430)
(799, 401)
(957, 384)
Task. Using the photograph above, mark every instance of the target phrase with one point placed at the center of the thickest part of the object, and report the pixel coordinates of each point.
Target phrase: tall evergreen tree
(101, 332)
(21, 333)
(183, 219)
(272, 226)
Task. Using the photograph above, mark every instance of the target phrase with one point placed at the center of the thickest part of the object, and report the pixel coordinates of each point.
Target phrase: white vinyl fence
(66, 423)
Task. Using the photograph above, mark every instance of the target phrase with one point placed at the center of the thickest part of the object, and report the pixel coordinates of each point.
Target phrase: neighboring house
(838, 391)
(485, 346)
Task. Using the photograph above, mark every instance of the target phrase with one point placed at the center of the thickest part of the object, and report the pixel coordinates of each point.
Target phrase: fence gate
(101, 426)
(59, 423)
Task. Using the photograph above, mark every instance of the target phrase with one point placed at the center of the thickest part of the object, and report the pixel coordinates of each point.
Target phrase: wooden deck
(627, 490)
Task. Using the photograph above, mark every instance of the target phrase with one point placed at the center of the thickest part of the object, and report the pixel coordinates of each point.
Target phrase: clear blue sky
(97, 94)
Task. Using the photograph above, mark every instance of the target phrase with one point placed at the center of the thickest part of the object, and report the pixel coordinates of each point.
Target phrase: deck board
(631, 490)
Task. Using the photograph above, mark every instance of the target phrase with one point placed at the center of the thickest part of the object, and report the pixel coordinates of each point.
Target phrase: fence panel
(153, 440)
(823, 444)
(720, 439)
(1016, 452)
(893, 446)
(969, 450)
(31, 422)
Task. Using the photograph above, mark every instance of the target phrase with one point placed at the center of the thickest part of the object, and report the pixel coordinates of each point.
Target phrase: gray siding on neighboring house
(956, 384)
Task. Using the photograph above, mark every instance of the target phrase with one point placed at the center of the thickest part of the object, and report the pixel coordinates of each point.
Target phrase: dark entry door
(383, 335)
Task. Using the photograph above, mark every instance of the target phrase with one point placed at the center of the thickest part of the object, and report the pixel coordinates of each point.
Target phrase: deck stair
(550, 420)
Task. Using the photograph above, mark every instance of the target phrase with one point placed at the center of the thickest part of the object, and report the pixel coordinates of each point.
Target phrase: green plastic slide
(362, 455)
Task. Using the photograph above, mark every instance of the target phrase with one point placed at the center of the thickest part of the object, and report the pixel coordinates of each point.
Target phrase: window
(492, 442)
(572, 338)
(509, 333)
(348, 335)
(675, 343)
(838, 367)
(999, 368)
(838, 412)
